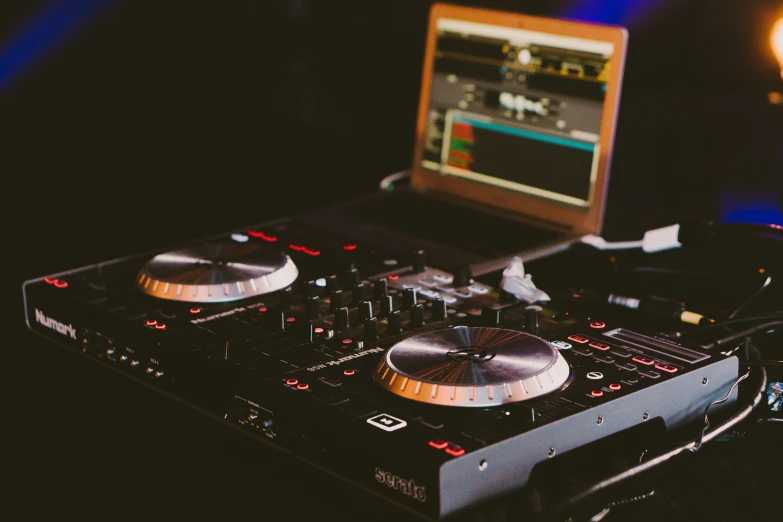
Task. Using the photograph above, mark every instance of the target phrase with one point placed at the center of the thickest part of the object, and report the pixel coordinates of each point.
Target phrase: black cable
(737, 320)
(770, 326)
(691, 446)
(754, 295)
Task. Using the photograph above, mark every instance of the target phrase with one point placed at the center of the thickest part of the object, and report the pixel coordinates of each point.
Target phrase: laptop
(516, 121)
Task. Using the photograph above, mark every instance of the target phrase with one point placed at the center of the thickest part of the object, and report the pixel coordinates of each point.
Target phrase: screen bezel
(586, 219)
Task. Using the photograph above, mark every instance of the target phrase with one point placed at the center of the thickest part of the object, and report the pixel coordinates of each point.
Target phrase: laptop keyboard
(486, 235)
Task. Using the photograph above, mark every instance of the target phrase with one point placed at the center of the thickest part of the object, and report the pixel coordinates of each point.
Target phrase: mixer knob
(365, 310)
(354, 278)
(439, 309)
(417, 316)
(336, 299)
(490, 316)
(419, 262)
(313, 307)
(531, 319)
(286, 297)
(308, 332)
(387, 305)
(276, 320)
(408, 297)
(358, 294)
(462, 276)
(332, 283)
(395, 322)
(380, 288)
(311, 289)
(341, 319)
(371, 329)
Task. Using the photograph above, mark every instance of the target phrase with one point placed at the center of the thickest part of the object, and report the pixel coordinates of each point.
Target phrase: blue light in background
(751, 206)
(55, 22)
(623, 12)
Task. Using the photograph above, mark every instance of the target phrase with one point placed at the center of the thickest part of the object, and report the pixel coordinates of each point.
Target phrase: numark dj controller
(334, 348)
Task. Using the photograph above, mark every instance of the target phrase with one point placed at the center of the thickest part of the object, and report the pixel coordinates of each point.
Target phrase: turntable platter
(217, 272)
(476, 367)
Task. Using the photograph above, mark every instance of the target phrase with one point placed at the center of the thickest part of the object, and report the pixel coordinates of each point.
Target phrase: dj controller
(422, 384)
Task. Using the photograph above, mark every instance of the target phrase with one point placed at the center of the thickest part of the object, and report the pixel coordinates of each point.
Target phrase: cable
(674, 236)
(772, 325)
(754, 295)
(388, 182)
(737, 320)
(700, 438)
(691, 446)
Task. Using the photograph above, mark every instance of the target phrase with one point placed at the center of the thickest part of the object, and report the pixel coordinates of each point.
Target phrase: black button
(652, 374)
(620, 353)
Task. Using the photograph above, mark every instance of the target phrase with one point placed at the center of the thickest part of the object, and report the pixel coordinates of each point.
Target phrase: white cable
(393, 178)
(655, 240)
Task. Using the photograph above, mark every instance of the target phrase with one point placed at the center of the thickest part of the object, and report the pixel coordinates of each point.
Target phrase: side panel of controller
(506, 466)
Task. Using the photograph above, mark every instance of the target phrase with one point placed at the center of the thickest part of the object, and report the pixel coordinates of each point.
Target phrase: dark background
(126, 125)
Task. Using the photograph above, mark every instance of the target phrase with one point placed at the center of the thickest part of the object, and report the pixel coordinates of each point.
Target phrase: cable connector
(654, 240)
(660, 239)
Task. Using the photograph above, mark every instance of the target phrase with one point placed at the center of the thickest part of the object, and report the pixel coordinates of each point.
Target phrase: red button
(348, 248)
(150, 322)
(597, 324)
(614, 387)
(439, 444)
(347, 341)
(302, 386)
(454, 450)
(393, 277)
(349, 372)
(318, 330)
(290, 319)
(292, 382)
(262, 309)
(666, 367)
(61, 284)
(643, 360)
(599, 346)
(195, 310)
(50, 280)
(596, 393)
(160, 326)
(579, 339)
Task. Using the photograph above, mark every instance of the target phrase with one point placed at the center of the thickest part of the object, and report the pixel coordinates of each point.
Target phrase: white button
(462, 293)
(478, 289)
(562, 344)
(320, 282)
(443, 278)
(430, 294)
(595, 375)
(428, 282)
(390, 262)
(448, 299)
(387, 422)
(240, 238)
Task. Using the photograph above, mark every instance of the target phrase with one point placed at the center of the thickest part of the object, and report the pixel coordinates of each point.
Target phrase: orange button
(579, 339)
(599, 346)
(438, 444)
(454, 450)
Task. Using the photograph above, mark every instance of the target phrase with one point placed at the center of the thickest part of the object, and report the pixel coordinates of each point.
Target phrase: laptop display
(516, 114)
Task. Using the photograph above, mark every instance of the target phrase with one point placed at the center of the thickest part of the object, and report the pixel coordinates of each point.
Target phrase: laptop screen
(517, 109)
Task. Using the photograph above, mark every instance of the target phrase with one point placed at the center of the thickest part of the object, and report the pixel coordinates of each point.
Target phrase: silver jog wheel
(216, 272)
(472, 367)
